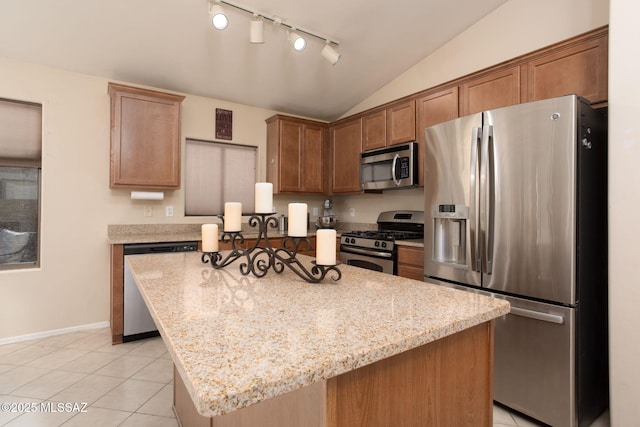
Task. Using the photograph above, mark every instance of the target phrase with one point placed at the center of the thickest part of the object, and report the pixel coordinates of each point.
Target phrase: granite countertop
(237, 340)
(155, 233)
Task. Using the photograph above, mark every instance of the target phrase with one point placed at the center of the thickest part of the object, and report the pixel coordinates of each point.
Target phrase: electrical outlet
(169, 211)
(148, 210)
(315, 211)
(352, 212)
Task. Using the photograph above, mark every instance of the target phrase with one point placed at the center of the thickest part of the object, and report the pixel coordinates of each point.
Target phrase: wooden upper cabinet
(579, 69)
(145, 138)
(346, 145)
(314, 148)
(401, 119)
(433, 108)
(494, 90)
(436, 107)
(395, 124)
(296, 154)
(290, 153)
(374, 130)
(577, 65)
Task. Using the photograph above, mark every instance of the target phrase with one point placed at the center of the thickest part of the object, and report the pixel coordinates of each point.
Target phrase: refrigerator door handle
(487, 183)
(545, 317)
(474, 217)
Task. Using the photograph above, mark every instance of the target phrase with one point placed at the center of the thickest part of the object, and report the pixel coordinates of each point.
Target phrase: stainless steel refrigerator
(517, 207)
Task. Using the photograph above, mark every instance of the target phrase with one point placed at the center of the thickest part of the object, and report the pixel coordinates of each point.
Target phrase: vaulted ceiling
(171, 44)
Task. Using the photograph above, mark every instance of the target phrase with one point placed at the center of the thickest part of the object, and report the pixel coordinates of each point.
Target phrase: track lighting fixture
(298, 43)
(330, 53)
(256, 29)
(218, 18)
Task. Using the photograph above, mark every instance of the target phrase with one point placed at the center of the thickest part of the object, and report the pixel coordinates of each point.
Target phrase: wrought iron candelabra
(260, 258)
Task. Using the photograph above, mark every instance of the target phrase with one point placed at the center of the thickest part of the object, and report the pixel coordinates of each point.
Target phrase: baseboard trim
(46, 334)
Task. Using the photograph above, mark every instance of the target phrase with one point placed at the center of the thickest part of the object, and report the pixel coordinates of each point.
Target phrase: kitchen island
(370, 349)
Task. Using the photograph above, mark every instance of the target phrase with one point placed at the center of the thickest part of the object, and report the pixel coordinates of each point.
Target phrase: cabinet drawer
(410, 255)
(411, 272)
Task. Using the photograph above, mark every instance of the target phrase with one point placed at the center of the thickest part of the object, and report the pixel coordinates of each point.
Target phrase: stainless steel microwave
(391, 167)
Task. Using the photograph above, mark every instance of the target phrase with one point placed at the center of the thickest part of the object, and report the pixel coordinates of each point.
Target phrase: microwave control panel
(403, 169)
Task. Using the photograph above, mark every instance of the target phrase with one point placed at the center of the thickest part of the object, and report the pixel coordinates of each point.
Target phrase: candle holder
(261, 258)
(288, 258)
(215, 258)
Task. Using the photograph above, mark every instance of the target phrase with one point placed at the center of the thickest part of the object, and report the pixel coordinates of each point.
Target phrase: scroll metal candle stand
(259, 259)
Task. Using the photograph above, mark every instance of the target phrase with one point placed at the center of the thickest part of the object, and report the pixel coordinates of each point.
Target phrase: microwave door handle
(487, 183)
(474, 194)
(393, 169)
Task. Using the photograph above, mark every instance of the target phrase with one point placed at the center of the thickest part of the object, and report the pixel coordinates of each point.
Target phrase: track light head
(218, 18)
(297, 42)
(330, 53)
(256, 30)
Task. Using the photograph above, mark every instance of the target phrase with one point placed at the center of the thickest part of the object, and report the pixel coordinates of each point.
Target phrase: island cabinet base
(448, 382)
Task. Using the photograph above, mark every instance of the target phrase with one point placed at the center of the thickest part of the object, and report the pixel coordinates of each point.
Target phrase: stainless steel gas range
(376, 249)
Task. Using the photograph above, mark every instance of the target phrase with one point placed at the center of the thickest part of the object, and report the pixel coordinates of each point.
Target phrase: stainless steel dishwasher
(138, 323)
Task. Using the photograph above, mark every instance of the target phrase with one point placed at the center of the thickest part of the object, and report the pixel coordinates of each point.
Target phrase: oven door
(376, 261)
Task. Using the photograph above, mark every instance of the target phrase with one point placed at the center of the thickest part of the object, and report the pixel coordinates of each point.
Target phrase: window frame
(22, 154)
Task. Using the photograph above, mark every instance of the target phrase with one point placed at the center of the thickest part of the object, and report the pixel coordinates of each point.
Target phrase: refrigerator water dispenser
(450, 231)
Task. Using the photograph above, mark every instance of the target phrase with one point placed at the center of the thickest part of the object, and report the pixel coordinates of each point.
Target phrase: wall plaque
(224, 124)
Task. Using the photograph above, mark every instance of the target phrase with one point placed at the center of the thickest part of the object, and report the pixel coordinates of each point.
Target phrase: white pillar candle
(326, 247)
(232, 216)
(209, 237)
(297, 220)
(264, 197)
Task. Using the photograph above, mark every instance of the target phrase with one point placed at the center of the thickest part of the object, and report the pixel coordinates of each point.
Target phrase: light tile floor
(125, 385)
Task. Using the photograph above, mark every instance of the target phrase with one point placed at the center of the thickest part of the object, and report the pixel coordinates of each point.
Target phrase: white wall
(71, 288)
(515, 28)
(624, 205)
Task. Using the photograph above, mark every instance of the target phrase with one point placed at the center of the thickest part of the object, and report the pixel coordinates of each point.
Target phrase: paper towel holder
(147, 195)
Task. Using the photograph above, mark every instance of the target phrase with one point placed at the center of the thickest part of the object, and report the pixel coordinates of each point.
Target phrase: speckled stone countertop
(154, 233)
(237, 340)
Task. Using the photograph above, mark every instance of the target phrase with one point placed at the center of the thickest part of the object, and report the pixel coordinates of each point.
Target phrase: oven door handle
(366, 252)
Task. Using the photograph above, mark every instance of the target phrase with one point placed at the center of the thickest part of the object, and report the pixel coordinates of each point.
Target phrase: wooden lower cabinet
(437, 384)
(411, 262)
(117, 293)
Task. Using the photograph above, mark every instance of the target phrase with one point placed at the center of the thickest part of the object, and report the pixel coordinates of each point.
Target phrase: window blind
(20, 133)
(216, 173)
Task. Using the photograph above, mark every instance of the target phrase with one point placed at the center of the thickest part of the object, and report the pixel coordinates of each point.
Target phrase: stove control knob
(353, 240)
(377, 244)
(384, 244)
